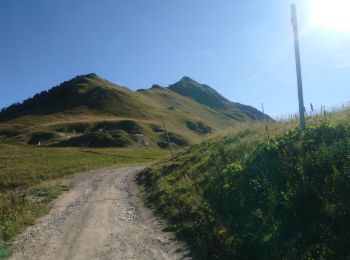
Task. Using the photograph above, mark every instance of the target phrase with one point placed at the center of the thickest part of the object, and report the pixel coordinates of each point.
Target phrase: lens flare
(334, 14)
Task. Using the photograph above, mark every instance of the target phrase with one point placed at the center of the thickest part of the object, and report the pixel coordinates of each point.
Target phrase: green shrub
(42, 137)
(199, 127)
(282, 198)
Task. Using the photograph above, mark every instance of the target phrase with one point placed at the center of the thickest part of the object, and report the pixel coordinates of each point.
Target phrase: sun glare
(333, 14)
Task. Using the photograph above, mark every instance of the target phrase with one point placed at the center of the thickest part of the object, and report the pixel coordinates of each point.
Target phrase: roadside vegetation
(31, 177)
(249, 196)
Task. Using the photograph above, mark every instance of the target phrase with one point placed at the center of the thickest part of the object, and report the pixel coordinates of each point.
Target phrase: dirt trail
(101, 218)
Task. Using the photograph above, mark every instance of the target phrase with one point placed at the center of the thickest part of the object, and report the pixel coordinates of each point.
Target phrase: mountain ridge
(206, 95)
(91, 100)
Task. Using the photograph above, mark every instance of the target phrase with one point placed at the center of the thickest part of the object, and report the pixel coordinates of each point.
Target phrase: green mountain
(88, 91)
(207, 96)
(90, 111)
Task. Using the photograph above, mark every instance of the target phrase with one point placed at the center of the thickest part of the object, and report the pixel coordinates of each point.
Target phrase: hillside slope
(90, 111)
(245, 196)
(86, 91)
(207, 96)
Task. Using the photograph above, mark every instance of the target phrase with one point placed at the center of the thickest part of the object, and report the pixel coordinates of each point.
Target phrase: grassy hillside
(91, 108)
(245, 196)
(207, 96)
(30, 178)
(88, 91)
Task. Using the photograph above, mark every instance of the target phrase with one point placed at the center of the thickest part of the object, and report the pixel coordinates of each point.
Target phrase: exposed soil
(102, 217)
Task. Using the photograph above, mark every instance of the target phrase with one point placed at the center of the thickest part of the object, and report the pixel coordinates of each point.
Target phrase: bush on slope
(285, 197)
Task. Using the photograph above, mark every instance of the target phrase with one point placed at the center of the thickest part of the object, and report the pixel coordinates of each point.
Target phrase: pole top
(293, 9)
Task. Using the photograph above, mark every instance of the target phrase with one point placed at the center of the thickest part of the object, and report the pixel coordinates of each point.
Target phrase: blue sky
(243, 49)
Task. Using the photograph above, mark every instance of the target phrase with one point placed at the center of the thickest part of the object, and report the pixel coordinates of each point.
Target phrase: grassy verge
(243, 195)
(30, 179)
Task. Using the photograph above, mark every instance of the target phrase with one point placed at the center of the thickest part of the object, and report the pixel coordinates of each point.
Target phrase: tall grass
(244, 195)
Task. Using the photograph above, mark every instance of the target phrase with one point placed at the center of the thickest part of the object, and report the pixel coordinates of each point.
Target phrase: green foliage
(20, 207)
(99, 139)
(243, 197)
(176, 140)
(119, 133)
(42, 137)
(199, 127)
(4, 250)
(129, 126)
(157, 128)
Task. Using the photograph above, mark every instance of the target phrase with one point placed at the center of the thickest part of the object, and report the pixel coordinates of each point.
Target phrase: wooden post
(267, 129)
(298, 67)
(168, 139)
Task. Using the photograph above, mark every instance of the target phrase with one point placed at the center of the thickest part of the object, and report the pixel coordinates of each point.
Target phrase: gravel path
(102, 217)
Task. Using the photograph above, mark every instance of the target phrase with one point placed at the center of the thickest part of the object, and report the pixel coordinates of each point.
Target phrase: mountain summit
(208, 96)
(85, 91)
(88, 107)
(199, 92)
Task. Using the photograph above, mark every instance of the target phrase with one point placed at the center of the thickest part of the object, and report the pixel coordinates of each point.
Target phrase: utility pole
(298, 67)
